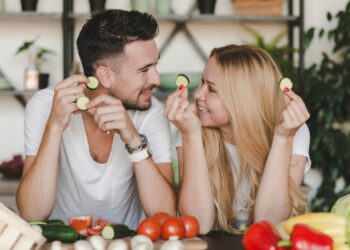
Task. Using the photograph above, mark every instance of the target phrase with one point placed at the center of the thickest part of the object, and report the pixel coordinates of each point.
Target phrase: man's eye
(144, 70)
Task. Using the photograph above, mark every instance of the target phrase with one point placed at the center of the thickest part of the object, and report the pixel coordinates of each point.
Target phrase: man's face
(135, 75)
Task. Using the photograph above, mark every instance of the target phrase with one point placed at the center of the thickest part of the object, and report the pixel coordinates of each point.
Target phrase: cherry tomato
(102, 222)
(96, 230)
(173, 227)
(150, 228)
(191, 225)
(81, 224)
(161, 217)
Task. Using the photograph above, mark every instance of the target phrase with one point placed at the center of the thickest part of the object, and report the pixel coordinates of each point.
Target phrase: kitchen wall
(13, 32)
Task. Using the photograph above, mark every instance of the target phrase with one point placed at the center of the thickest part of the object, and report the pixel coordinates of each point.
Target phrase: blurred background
(309, 39)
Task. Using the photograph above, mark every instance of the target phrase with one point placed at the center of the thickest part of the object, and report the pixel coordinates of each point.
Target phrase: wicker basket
(258, 7)
(16, 234)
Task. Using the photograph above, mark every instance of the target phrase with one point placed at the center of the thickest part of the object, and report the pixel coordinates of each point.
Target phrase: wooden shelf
(30, 15)
(208, 18)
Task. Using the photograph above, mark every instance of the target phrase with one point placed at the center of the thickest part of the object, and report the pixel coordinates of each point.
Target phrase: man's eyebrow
(149, 64)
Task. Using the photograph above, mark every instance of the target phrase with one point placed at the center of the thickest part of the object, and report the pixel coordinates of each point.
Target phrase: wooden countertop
(8, 186)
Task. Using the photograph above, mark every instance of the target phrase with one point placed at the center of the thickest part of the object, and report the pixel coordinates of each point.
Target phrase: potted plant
(29, 5)
(97, 5)
(206, 6)
(37, 56)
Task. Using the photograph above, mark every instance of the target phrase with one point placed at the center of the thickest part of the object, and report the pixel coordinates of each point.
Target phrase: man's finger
(106, 99)
(71, 81)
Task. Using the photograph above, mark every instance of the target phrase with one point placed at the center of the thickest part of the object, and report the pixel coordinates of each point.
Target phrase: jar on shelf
(31, 74)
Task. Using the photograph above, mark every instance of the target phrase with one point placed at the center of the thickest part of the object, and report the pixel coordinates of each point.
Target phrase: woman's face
(211, 111)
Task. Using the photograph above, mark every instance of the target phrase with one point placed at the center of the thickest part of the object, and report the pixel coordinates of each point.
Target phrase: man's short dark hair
(106, 33)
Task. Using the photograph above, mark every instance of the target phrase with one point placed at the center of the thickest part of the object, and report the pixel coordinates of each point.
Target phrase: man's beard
(132, 104)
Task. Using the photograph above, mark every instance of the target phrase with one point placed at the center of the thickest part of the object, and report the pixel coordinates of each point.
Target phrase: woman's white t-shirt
(301, 146)
(84, 186)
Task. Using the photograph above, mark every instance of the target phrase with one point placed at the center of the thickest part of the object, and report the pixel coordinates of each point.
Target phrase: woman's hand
(64, 100)
(181, 113)
(293, 116)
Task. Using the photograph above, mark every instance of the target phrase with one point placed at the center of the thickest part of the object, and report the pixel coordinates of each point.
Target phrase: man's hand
(110, 114)
(65, 96)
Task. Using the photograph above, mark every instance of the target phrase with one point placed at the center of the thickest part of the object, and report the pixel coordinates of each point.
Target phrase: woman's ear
(103, 76)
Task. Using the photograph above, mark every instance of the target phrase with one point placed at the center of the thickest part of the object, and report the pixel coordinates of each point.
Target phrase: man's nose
(154, 77)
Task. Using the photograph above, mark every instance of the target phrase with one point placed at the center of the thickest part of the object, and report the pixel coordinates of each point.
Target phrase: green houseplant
(277, 50)
(327, 92)
(37, 56)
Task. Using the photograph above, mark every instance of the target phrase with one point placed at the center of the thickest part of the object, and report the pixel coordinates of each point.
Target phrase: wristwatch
(141, 152)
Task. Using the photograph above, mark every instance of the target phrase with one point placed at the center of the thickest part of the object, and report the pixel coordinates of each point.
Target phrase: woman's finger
(170, 100)
(293, 113)
(295, 106)
(174, 108)
(287, 120)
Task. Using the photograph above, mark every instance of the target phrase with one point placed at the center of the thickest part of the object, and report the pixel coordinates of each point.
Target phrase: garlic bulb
(173, 244)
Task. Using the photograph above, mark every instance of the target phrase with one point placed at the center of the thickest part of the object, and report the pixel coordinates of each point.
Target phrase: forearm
(155, 192)
(273, 201)
(195, 196)
(36, 194)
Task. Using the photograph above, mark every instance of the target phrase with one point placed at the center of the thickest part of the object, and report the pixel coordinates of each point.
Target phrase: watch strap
(139, 156)
(140, 147)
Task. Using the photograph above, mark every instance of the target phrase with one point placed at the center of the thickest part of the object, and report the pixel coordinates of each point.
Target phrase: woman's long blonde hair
(247, 84)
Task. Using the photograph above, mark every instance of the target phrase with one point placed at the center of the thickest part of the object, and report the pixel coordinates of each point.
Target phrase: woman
(245, 144)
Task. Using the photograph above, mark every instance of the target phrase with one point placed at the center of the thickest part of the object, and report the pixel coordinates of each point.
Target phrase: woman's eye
(211, 90)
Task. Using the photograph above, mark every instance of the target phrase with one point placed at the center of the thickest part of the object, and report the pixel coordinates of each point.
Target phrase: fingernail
(181, 87)
(286, 89)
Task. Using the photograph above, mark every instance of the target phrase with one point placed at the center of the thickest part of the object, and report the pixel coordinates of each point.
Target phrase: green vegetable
(342, 206)
(82, 101)
(116, 231)
(92, 83)
(47, 222)
(63, 233)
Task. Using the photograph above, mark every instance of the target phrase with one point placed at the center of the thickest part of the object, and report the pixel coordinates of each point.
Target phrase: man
(76, 162)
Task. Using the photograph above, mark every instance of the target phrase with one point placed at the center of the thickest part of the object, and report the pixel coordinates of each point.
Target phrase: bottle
(31, 75)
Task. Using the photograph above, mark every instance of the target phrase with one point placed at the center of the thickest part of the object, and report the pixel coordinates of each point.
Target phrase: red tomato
(150, 228)
(96, 230)
(191, 225)
(173, 227)
(161, 217)
(102, 222)
(81, 224)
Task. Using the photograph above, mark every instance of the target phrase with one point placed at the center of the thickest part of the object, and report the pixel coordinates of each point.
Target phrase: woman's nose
(199, 93)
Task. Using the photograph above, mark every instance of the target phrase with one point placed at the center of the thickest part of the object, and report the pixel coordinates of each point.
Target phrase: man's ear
(103, 76)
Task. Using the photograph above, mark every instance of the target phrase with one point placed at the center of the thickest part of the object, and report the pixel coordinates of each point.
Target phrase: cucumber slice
(92, 83)
(37, 222)
(82, 101)
(183, 80)
(285, 83)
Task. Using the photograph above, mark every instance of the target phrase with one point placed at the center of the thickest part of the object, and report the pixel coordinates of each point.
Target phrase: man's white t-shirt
(301, 144)
(84, 186)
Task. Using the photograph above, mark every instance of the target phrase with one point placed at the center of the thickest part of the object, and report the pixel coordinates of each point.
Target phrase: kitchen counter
(8, 190)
